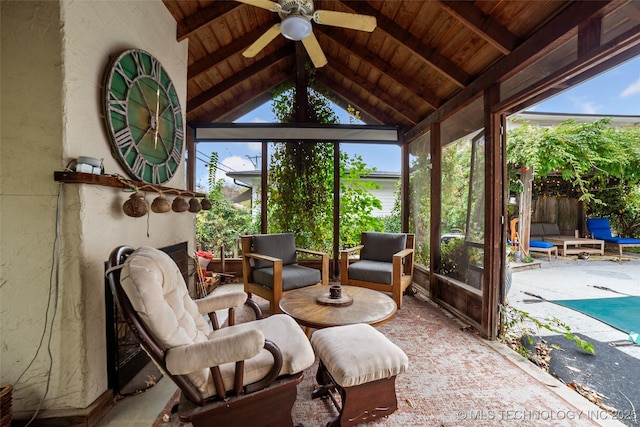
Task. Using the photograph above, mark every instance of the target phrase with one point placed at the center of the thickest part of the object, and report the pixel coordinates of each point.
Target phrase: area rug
(622, 313)
(455, 378)
(618, 386)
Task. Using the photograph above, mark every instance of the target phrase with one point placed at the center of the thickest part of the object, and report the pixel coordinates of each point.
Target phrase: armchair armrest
(214, 302)
(310, 252)
(325, 263)
(399, 261)
(403, 253)
(263, 257)
(344, 262)
(217, 351)
(348, 251)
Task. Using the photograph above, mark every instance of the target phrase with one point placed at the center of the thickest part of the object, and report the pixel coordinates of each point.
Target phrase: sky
(616, 92)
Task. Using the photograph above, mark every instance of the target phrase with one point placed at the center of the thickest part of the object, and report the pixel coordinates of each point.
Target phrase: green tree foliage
(599, 164)
(456, 168)
(224, 222)
(356, 201)
(301, 183)
(420, 209)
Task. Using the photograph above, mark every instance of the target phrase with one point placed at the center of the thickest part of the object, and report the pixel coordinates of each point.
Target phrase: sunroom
(437, 75)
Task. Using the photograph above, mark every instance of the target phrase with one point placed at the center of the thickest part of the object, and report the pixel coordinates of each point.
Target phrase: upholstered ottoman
(361, 364)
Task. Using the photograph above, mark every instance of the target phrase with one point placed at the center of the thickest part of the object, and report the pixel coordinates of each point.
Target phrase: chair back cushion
(536, 231)
(281, 246)
(551, 229)
(157, 291)
(599, 227)
(382, 246)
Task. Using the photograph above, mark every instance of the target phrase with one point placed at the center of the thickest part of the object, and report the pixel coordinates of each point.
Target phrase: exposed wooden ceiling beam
(385, 68)
(352, 98)
(227, 84)
(247, 107)
(240, 103)
(483, 25)
(405, 38)
(204, 17)
(348, 74)
(222, 54)
(340, 100)
(556, 31)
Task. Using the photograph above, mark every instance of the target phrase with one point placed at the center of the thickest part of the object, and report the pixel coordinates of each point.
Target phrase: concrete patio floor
(572, 278)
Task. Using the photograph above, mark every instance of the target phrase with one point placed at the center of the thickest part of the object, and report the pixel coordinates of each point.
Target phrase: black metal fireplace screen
(125, 357)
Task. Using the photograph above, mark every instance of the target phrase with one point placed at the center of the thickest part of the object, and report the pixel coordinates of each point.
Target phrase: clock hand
(164, 145)
(144, 98)
(157, 123)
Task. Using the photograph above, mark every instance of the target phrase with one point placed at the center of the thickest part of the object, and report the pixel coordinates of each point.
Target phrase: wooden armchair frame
(402, 275)
(273, 295)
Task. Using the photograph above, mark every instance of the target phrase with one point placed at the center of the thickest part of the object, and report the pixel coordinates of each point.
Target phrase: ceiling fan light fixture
(295, 27)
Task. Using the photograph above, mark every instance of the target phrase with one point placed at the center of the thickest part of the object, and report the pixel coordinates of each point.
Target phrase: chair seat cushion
(622, 240)
(540, 244)
(371, 271)
(358, 354)
(294, 276)
(296, 351)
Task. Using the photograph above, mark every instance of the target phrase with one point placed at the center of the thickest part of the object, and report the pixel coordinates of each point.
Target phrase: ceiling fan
(296, 16)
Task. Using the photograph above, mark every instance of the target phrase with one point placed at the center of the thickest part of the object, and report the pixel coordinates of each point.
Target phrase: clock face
(143, 117)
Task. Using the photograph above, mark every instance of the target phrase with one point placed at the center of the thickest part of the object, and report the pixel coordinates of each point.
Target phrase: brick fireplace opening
(125, 357)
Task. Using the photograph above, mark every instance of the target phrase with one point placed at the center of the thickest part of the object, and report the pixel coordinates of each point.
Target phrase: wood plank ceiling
(421, 54)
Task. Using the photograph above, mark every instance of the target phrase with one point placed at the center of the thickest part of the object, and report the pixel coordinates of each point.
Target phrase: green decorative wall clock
(143, 117)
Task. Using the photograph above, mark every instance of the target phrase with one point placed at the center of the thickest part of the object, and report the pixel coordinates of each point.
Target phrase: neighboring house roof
(386, 193)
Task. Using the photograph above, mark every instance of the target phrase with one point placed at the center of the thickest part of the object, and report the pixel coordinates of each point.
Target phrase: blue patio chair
(601, 229)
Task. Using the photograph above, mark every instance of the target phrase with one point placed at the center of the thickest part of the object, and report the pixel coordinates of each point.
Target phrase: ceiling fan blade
(263, 4)
(262, 41)
(315, 51)
(353, 21)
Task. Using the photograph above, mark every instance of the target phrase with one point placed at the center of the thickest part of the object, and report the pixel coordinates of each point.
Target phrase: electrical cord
(54, 281)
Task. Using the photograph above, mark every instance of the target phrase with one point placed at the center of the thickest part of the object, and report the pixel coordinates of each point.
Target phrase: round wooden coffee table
(369, 306)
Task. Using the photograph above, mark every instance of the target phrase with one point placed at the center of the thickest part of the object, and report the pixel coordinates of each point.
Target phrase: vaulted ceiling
(421, 55)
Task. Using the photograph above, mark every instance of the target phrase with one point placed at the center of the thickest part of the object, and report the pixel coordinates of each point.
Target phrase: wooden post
(263, 187)
(526, 177)
(494, 231)
(336, 211)
(191, 158)
(436, 208)
(404, 186)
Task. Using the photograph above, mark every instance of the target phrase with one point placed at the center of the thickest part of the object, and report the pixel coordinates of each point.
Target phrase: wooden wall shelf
(118, 182)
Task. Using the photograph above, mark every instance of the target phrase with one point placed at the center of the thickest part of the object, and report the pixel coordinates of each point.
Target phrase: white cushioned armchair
(225, 374)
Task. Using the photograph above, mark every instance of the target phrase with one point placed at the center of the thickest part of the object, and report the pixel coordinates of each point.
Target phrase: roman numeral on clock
(124, 141)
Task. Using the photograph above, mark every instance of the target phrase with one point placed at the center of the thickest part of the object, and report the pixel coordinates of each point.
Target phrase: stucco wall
(54, 57)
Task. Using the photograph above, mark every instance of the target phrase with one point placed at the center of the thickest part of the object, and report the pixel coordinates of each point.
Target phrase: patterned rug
(454, 378)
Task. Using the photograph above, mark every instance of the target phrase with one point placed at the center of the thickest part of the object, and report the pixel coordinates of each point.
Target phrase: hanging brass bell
(135, 206)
